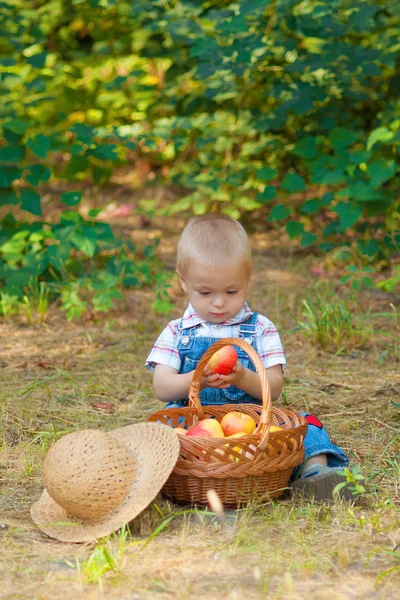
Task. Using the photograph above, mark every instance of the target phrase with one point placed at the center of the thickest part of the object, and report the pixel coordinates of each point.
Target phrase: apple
(206, 428)
(275, 428)
(237, 422)
(238, 449)
(280, 441)
(223, 361)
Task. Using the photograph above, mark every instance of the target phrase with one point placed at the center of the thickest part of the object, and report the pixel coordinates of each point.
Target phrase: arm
(169, 385)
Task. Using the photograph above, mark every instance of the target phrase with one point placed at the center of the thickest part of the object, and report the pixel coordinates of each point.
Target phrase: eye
(232, 292)
(204, 293)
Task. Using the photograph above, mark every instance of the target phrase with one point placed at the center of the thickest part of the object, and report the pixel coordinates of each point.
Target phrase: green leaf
(380, 170)
(306, 148)
(311, 207)
(340, 138)
(31, 202)
(38, 60)
(361, 192)
(84, 133)
(18, 126)
(308, 239)
(39, 145)
(268, 194)
(71, 198)
(103, 301)
(94, 212)
(292, 182)
(8, 197)
(38, 173)
(294, 229)
(85, 240)
(360, 156)
(381, 134)
(369, 248)
(334, 177)
(104, 152)
(349, 214)
(356, 285)
(279, 212)
(368, 282)
(76, 164)
(11, 154)
(345, 278)
(266, 174)
(8, 175)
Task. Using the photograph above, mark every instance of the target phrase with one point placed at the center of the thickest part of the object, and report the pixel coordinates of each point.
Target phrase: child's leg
(318, 475)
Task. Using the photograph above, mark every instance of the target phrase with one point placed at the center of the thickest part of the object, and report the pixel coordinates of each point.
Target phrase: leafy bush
(286, 108)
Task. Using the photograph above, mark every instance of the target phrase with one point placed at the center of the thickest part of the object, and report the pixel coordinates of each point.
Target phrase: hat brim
(156, 448)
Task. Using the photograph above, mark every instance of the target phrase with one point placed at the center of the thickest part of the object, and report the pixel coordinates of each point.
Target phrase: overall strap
(248, 328)
(186, 336)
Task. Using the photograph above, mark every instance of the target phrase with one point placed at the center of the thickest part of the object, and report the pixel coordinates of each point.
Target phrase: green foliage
(354, 479)
(287, 108)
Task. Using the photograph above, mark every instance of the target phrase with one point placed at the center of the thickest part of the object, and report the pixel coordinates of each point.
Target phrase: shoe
(319, 481)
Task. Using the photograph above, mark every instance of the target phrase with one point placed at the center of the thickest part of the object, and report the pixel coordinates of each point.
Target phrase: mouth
(218, 315)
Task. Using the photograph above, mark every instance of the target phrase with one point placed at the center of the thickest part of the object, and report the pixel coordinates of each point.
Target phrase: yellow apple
(238, 449)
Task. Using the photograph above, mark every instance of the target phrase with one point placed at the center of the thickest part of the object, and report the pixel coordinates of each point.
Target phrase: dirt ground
(61, 377)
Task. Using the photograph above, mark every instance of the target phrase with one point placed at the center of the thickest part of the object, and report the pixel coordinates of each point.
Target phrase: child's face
(216, 294)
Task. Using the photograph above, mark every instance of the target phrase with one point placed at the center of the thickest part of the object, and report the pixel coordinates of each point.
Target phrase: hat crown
(89, 473)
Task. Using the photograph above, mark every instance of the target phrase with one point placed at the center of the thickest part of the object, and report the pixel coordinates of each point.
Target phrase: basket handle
(266, 411)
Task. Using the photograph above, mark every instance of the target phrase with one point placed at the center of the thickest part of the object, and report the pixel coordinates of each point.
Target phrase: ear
(181, 281)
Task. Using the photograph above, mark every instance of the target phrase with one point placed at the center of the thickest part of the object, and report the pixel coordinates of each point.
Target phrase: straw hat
(95, 482)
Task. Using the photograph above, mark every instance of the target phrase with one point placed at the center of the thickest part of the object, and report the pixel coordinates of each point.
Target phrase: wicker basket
(252, 467)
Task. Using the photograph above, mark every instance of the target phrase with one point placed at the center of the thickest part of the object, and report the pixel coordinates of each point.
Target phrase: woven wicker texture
(252, 467)
(88, 473)
(153, 449)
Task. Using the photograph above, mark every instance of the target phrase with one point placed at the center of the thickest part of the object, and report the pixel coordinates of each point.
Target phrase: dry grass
(63, 377)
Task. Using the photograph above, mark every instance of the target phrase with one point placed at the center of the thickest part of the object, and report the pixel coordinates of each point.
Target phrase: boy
(214, 266)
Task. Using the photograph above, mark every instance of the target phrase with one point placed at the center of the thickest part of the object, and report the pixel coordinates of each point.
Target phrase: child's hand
(223, 381)
(235, 376)
(213, 381)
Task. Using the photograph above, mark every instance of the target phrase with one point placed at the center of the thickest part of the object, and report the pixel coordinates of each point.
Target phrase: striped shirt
(267, 341)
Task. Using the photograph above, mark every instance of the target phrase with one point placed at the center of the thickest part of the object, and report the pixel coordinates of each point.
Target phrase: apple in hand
(206, 428)
(223, 361)
(237, 422)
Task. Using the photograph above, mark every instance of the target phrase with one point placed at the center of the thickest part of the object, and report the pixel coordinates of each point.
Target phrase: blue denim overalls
(192, 348)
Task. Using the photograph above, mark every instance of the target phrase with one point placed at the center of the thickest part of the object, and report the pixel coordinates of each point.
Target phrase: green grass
(54, 379)
(338, 322)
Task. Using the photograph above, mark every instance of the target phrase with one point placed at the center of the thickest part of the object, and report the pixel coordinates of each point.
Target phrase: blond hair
(213, 241)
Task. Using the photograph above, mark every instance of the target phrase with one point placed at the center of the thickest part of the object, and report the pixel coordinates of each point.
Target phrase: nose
(218, 301)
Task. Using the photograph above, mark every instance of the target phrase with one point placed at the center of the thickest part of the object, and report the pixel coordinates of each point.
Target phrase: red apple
(206, 428)
(237, 422)
(223, 361)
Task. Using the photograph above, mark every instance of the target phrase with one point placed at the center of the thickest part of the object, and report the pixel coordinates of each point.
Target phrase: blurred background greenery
(278, 112)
